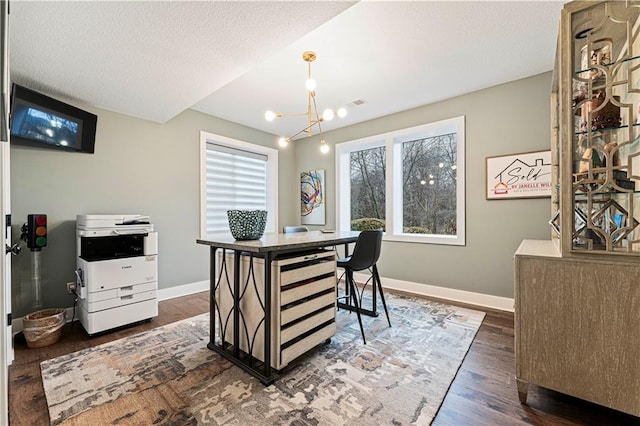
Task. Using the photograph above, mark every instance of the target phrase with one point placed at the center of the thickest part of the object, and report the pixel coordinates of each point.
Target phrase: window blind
(235, 179)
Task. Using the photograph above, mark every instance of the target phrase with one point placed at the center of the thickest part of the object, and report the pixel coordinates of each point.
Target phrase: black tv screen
(38, 120)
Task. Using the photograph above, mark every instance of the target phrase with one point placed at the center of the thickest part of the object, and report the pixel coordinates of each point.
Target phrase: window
(409, 182)
(235, 175)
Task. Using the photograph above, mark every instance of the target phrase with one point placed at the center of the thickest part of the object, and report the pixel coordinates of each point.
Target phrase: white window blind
(235, 179)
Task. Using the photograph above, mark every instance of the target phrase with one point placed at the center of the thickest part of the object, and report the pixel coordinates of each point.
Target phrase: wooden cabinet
(577, 296)
(303, 304)
(577, 326)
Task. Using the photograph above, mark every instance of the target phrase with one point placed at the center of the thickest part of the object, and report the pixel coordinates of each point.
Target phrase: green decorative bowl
(247, 224)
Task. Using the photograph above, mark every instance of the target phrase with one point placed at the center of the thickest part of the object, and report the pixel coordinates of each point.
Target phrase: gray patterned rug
(167, 376)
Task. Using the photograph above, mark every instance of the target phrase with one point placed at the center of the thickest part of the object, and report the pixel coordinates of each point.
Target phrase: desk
(268, 248)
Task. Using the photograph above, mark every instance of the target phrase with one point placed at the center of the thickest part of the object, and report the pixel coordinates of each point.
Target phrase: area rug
(167, 376)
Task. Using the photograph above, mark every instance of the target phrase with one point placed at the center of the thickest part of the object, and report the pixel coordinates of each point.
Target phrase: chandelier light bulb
(269, 115)
(310, 84)
(342, 112)
(283, 142)
(324, 148)
(327, 115)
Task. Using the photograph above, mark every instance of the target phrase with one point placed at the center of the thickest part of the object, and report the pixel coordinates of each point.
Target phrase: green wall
(153, 169)
(505, 119)
(139, 167)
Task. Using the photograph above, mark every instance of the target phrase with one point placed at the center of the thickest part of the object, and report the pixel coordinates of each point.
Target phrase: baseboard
(478, 299)
(182, 290)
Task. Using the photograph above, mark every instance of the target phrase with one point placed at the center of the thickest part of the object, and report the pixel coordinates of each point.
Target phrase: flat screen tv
(38, 120)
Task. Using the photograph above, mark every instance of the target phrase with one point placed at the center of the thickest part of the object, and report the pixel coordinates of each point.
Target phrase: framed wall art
(312, 197)
(524, 175)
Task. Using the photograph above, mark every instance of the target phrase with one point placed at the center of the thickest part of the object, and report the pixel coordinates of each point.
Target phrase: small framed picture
(524, 175)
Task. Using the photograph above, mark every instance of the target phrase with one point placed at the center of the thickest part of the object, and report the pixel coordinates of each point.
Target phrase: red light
(41, 220)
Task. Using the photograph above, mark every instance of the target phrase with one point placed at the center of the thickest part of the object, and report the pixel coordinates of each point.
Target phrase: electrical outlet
(71, 287)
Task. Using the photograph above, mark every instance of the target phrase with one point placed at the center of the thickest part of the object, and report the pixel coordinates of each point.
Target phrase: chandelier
(313, 118)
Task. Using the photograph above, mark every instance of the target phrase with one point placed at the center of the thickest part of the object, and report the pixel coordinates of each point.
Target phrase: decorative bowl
(247, 224)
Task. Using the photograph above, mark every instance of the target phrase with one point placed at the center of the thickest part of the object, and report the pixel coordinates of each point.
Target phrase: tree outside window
(409, 182)
(429, 174)
(368, 189)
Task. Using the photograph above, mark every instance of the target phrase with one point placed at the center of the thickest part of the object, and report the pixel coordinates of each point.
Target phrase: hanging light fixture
(313, 118)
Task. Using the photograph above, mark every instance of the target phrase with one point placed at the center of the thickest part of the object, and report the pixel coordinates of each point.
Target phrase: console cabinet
(303, 303)
(577, 326)
(577, 295)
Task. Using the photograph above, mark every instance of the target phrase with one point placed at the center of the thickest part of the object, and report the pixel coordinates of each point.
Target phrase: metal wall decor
(602, 166)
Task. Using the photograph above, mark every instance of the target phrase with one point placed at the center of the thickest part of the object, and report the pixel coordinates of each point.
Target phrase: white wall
(504, 119)
(139, 167)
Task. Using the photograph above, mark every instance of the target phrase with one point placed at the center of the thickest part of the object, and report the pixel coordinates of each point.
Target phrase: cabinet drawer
(300, 274)
(121, 291)
(95, 322)
(297, 311)
(309, 342)
(305, 290)
(121, 301)
(302, 327)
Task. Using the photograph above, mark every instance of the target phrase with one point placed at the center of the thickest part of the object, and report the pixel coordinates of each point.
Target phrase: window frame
(271, 176)
(392, 141)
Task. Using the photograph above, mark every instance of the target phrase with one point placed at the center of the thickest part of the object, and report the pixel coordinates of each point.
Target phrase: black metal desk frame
(268, 248)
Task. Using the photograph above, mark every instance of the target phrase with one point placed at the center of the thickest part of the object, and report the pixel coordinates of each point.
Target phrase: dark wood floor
(483, 393)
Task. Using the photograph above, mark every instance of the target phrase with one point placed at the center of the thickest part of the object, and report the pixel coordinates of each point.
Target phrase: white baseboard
(182, 290)
(163, 294)
(478, 299)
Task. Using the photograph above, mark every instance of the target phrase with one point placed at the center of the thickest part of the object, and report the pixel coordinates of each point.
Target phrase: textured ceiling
(235, 60)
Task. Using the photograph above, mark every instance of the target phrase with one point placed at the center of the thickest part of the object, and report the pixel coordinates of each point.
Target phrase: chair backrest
(367, 250)
(290, 228)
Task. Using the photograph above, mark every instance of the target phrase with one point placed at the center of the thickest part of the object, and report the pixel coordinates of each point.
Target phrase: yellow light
(314, 119)
(324, 148)
(310, 84)
(328, 115)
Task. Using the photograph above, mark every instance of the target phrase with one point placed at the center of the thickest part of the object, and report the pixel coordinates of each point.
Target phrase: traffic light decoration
(36, 237)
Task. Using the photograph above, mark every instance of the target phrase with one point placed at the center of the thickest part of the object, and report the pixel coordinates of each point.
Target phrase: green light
(41, 241)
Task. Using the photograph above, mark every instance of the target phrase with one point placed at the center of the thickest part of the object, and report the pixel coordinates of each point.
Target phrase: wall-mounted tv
(38, 120)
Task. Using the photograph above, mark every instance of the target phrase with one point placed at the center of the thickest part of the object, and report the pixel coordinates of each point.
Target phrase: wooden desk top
(280, 242)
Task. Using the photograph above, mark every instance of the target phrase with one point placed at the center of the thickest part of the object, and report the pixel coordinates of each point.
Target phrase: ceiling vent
(358, 102)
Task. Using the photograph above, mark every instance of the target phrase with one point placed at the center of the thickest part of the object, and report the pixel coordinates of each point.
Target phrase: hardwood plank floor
(483, 393)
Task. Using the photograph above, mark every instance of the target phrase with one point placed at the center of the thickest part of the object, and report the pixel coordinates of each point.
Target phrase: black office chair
(290, 228)
(365, 255)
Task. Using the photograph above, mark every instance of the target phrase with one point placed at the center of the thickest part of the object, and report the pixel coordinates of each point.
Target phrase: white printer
(117, 270)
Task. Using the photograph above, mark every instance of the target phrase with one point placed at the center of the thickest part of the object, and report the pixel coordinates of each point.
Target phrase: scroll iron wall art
(312, 197)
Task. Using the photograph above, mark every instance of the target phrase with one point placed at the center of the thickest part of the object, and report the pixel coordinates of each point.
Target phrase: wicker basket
(43, 328)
